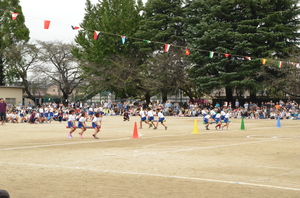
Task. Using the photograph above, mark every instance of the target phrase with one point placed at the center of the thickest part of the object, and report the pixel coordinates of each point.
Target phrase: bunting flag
(280, 64)
(96, 35)
(226, 55)
(14, 16)
(75, 27)
(123, 39)
(46, 24)
(187, 52)
(167, 47)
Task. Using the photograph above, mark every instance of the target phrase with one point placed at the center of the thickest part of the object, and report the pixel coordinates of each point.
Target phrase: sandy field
(39, 161)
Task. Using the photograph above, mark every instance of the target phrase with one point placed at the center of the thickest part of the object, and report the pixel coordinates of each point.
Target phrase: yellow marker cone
(195, 128)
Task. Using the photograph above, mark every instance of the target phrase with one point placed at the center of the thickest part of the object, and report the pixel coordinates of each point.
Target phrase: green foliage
(162, 22)
(105, 59)
(12, 32)
(252, 28)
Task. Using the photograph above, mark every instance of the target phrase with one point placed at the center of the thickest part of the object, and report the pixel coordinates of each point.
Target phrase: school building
(12, 94)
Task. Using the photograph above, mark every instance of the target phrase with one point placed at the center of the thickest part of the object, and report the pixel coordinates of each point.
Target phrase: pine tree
(163, 24)
(241, 28)
(12, 32)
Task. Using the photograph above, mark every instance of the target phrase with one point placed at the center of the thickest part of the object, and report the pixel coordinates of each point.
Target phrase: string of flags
(166, 46)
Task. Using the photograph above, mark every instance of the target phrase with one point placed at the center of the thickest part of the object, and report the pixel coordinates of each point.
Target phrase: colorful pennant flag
(147, 41)
(280, 64)
(75, 27)
(96, 35)
(227, 55)
(263, 61)
(14, 16)
(46, 24)
(123, 39)
(248, 58)
(187, 52)
(211, 54)
(167, 47)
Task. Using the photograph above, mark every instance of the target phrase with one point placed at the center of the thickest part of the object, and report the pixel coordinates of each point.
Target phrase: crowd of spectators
(289, 109)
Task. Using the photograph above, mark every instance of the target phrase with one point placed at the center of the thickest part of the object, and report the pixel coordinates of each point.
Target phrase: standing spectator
(237, 104)
(3, 109)
(246, 106)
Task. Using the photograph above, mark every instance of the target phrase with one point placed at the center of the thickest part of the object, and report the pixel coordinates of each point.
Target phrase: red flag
(96, 35)
(14, 16)
(227, 55)
(75, 27)
(167, 47)
(187, 52)
(46, 24)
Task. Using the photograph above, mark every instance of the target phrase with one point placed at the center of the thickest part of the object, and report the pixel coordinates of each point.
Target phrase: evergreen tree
(107, 61)
(163, 24)
(12, 32)
(241, 28)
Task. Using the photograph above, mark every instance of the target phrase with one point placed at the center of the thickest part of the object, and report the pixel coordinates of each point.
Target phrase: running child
(218, 121)
(150, 117)
(207, 121)
(226, 120)
(96, 124)
(71, 123)
(161, 119)
(143, 116)
(81, 124)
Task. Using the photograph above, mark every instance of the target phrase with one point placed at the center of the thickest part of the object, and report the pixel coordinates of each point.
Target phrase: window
(10, 100)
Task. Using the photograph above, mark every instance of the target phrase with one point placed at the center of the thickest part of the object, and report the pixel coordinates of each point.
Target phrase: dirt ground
(39, 161)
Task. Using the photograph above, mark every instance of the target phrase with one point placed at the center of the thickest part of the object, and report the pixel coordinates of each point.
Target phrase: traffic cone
(195, 128)
(243, 124)
(278, 122)
(135, 134)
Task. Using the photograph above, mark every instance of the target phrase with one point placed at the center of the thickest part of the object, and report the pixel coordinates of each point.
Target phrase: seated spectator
(272, 115)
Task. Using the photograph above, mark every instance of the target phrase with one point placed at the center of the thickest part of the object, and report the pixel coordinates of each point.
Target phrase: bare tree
(60, 66)
(21, 60)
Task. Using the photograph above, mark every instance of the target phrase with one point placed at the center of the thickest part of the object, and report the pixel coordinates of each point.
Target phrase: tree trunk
(1, 72)
(190, 95)
(65, 98)
(229, 97)
(164, 94)
(253, 96)
(147, 98)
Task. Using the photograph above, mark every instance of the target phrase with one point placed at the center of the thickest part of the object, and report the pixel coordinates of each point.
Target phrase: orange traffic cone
(135, 134)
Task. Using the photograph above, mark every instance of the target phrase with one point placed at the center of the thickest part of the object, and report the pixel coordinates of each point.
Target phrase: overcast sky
(61, 13)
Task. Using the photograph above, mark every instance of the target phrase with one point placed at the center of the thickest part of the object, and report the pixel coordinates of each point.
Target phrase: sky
(61, 13)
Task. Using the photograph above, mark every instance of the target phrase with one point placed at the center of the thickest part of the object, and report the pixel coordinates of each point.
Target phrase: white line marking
(219, 146)
(158, 175)
(81, 142)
